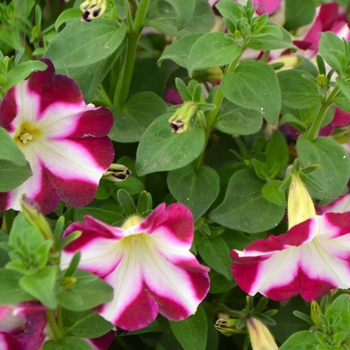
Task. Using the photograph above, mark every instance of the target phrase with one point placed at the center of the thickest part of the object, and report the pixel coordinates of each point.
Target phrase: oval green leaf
(82, 43)
(160, 149)
(196, 188)
(212, 50)
(333, 174)
(138, 113)
(244, 207)
(254, 85)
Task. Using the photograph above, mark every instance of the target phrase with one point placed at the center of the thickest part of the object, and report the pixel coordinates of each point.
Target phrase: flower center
(27, 132)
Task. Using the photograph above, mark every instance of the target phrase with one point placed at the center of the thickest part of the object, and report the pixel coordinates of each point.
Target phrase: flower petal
(69, 151)
(171, 226)
(310, 267)
(9, 342)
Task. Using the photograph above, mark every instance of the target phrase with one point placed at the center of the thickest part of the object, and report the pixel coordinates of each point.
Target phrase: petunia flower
(23, 326)
(310, 259)
(63, 139)
(147, 262)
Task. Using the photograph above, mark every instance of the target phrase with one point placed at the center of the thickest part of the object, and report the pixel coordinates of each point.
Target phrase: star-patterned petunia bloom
(148, 263)
(310, 259)
(63, 139)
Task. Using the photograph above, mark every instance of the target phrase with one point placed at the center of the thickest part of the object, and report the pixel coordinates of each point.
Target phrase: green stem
(317, 122)
(122, 91)
(9, 217)
(54, 328)
(104, 95)
(213, 113)
(59, 318)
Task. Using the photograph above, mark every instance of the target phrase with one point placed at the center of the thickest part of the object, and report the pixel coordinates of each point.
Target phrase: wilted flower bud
(117, 173)
(180, 121)
(260, 336)
(300, 205)
(92, 9)
(228, 326)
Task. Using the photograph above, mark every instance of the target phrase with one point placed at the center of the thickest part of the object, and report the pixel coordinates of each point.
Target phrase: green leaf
(271, 192)
(96, 40)
(212, 50)
(90, 76)
(234, 119)
(107, 216)
(244, 208)
(86, 324)
(179, 50)
(67, 16)
(230, 10)
(334, 172)
(162, 16)
(296, 90)
(160, 149)
(126, 202)
(24, 235)
(299, 13)
(136, 115)
(41, 286)
(147, 76)
(332, 50)
(219, 284)
(67, 343)
(195, 187)
(87, 293)
(192, 332)
(184, 10)
(254, 85)
(344, 86)
(272, 42)
(216, 254)
(277, 154)
(304, 340)
(340, 307)
(21, 72)
(10, 290)
(144, 203)
(14, 168)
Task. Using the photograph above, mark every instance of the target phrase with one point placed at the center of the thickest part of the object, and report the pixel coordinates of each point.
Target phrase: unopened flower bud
(322, 80)
(117, 173)
(69, 282)
(315, 312)
(180, 121)
(31, 211)
(260, 336)
(300, 205)
(92, 9)
(228, 326)
(215, 73)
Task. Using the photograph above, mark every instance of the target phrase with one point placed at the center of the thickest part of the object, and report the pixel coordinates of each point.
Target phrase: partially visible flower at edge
(63, 139)
(310, 259)
(23, 326)
(147, 262)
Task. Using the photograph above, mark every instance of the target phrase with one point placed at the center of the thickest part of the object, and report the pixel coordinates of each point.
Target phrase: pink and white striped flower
(147, 262)
(310, 259)
(63, 139)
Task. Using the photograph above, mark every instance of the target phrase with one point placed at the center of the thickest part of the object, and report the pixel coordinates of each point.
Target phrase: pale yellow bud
(300, 205)
(260, 336)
